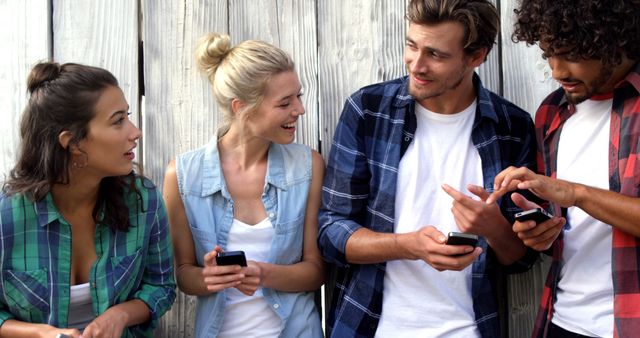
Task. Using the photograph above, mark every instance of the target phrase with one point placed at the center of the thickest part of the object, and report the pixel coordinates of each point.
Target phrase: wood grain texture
(101, 33)
(360, 42)
(26, 39)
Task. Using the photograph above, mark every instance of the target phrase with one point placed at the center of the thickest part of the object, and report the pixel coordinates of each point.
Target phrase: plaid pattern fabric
(376, 127)
(624, 178)
(35, 261)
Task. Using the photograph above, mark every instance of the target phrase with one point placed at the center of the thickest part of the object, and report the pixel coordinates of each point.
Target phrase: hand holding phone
(459, 238)
(231, 258)
(538, 215)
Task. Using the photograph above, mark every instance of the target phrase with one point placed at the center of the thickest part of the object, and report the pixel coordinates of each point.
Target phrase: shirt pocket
(203, 241)
(27, 293)
(126, 273)
(288, 240)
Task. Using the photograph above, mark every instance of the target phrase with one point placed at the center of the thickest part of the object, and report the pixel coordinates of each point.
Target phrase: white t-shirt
(250, 316)
(585, 288)
(420, 301)
(80, 307)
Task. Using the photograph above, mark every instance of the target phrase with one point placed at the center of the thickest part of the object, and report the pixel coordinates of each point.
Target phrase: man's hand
(473, 216)
(428, 244)
(553, 190)
(539, 236)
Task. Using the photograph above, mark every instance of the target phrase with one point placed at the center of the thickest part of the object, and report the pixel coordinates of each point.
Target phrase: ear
(64, 138)
(236, 106)
(477, 57)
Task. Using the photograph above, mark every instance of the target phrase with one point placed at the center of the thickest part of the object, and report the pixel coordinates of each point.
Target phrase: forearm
(302, 276)
(620, 211)
(16, 329)
(132, 312)
(370, 247)
(506, 244)
(191, 281)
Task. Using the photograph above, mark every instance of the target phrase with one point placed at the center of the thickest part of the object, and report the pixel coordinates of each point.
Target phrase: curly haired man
(588, 134)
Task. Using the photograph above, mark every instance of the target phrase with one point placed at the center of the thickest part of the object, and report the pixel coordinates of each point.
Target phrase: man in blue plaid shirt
(409, 163)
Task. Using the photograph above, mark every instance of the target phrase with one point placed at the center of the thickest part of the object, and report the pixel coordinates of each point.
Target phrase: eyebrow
(428, 49)
(119, 112)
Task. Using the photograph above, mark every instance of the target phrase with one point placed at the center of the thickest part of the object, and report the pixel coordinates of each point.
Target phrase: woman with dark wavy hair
(84, 245)
(588, 133)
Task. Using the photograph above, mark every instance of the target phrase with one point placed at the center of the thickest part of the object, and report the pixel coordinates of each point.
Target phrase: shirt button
(406, 138)
(275, 306)
(272, 215)
(93, 285)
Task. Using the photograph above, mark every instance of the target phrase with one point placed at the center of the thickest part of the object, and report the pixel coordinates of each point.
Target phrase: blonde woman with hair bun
(249, 189)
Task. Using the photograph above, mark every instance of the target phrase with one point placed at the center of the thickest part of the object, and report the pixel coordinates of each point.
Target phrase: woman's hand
(110, 324)
(48, 331)
(219, 277)
(252, 280)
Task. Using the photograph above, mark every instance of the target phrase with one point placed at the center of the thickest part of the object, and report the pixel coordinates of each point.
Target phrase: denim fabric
(209, 208)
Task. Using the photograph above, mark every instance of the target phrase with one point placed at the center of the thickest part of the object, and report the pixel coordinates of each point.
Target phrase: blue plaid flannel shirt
(376, 127)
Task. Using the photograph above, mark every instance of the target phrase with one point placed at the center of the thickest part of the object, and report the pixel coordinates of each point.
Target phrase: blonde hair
(239, 72)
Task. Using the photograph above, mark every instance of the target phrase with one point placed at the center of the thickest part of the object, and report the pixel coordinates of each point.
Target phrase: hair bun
(211, 51)
(41, 74)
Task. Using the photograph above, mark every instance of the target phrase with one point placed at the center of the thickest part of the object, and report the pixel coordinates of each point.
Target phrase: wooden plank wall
(338, 47)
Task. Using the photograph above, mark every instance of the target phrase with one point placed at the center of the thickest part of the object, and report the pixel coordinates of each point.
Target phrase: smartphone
(231, 258)
(459, 238)
(538, 214)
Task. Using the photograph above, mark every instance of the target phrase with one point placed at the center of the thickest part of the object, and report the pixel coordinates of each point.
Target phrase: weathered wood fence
(338, 46)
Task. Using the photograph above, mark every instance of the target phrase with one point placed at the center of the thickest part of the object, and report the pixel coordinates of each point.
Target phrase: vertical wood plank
(355, 50)
(179, 111)
(526, 76)
(101, 33)
(26, 39)
(292, 26)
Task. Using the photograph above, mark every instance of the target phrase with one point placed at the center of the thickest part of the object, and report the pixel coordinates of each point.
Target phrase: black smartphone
(459, 238)
(538, 215)
(231, 258)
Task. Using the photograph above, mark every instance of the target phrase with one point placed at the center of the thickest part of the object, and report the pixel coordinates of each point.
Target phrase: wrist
(579, 194)
(404, 243)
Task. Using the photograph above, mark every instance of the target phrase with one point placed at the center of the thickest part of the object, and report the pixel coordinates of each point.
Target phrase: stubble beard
(591, 89)
(418, 95)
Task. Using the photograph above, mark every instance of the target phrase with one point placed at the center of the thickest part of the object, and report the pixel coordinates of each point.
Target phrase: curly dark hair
(585, 29)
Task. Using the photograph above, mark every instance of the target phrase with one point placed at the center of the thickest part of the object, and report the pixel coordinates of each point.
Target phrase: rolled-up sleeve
(157, 289)
(346, 185)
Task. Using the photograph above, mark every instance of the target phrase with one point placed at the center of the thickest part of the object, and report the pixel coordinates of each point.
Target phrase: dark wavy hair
(584, 29)
(63, 98)
(479, 18)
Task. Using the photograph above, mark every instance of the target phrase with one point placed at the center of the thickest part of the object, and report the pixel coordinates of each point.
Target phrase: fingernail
(441, 238)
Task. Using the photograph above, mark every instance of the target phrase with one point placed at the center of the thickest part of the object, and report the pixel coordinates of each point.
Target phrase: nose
(135, 133)
(299, 109)
(416, 62)
(558, 67)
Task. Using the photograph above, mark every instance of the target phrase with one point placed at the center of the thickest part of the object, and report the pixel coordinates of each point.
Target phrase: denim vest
(209, 208)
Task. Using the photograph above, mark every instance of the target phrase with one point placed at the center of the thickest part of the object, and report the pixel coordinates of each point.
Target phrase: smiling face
(437, 63)
(275, 118)
(108, 148)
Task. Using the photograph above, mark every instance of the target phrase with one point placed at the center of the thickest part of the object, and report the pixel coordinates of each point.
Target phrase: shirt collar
(213, 178)
(46, 211)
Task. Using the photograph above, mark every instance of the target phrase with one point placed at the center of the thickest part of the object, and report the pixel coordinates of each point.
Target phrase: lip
(570, 86)
(130, 155)
(420, 81)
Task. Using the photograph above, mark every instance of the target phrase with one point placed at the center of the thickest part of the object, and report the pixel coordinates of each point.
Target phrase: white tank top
(80, 307)
(250, 316)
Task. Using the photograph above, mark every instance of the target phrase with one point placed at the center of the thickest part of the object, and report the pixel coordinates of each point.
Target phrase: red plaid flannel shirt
(624, 178)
